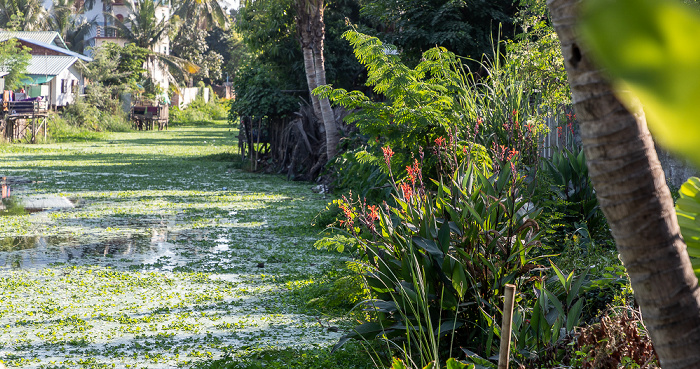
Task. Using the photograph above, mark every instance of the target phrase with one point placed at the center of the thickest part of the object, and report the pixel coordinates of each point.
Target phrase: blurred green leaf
(647, 47)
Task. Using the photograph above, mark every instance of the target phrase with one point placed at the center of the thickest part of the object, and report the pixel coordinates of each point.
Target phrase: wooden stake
(506, 327)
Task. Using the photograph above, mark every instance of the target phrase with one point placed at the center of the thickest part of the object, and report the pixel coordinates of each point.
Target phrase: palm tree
(22, 15)
(311, 31)
(632, 192)
(208, 13)
(142, 28)
(64, 19)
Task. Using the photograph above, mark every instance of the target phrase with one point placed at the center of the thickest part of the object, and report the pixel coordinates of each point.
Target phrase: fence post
(506, 327)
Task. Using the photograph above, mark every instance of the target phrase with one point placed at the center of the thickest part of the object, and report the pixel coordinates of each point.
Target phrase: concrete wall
(677, 171)
(189, 94)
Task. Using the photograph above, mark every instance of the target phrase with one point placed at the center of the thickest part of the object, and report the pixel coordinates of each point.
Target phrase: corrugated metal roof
(56, 48)
(49, 65)
(47, 37)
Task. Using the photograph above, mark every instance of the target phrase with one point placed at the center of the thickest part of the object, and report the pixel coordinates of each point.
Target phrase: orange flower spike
(388, 153)
(373, 212)
(411, 174)
(407, 191)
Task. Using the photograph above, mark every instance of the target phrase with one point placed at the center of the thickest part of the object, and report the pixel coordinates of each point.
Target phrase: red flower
(440, 141)
(407, 191)
(388, 153)
(411, 174)
(373, 213)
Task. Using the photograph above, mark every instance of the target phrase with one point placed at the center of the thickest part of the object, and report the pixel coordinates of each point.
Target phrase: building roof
(56, 48)
(50, 65)
(47, 37)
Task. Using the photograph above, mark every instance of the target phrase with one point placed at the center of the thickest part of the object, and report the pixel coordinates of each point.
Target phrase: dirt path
(170, 256)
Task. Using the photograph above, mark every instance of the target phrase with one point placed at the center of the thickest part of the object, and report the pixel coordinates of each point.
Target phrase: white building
(53, 71)
(101, 32)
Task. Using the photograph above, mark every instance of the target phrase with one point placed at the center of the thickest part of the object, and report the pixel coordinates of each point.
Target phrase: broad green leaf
(459, 280)
(444, 236)
(429, 246)
(690, 188)
(648, 47)
(398, 364)
(447, 327)
(576, 286)
(454, 364)
(574, 315)
(557, 304)
(560, 275)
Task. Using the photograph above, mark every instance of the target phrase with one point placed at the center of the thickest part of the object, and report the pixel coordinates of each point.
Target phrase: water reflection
(39, 251)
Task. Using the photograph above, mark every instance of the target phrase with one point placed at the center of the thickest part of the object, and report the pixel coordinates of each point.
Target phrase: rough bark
(310, 70)
(632, 192)
(311, 30)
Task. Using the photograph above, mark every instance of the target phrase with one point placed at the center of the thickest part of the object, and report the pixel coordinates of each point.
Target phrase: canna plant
(437, 262)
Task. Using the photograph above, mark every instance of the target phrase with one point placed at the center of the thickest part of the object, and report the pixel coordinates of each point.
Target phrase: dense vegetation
(460, 171)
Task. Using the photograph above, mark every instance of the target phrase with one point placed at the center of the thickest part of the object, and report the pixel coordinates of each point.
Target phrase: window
(74, 86)
(64, 86)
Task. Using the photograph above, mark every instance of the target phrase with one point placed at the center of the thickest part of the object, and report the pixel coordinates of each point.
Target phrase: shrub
(438, 261)
(436, 99)
(199, 112)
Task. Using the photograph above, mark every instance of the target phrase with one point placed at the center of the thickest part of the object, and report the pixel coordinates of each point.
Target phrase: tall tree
(206, 13)
(191, 44)
(22, 15)
(632, 192)
(63, 18)
(143, 29)
(312, 32)
(14, 60)
(465, 27)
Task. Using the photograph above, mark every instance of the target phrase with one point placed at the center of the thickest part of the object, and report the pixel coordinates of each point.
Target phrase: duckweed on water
(157, 266)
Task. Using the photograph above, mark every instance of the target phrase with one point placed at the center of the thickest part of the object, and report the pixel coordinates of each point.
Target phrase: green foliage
(229, 44)
(191, 44)
(116, 66)
(536, 55)
(82, 120)
(556, 312)
(272, 358)
(489, 117)
(360, 170)
(258, 93)
(199, 112)
(15, 59)
(421, 102)
(467, 28)
(22, 15)
(432, 254)
(570, 184)
(687, 210)
(645, 46)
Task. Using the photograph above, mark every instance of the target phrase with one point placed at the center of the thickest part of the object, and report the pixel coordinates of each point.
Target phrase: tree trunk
(632, 192)
(332, 134)
(310, 70)
(312, 33)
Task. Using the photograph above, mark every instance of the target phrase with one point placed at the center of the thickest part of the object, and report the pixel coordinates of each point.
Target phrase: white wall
(59, 98)
(189, 94)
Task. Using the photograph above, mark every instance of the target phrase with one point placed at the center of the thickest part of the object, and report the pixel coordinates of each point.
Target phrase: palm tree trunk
(311, 30)
(632, 192)
(310, 70)
(332, 134)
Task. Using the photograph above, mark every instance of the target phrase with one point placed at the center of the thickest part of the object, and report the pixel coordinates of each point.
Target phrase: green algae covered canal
(157, 253)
